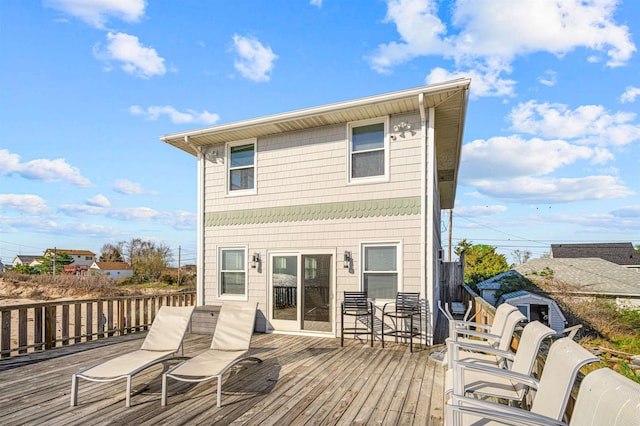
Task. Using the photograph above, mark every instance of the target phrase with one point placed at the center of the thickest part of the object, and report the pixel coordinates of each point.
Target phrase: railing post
(153, 309)
(127, 318)
(5, 343)
(137, 308)
(145, 313)
(121, 320)
(89, 317)
(110, 318)
(65, 325)
(37, 327)
(77, 323)
(101, 320)
(49, 327)
(22, 331)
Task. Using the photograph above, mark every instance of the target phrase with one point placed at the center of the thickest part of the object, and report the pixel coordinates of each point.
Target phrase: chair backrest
(355, 301)
(234, 327)
(528, 347)
(514, 317)
(168, 328)
(565, 358)
(407, 302)
(607, 398)
(500, 318)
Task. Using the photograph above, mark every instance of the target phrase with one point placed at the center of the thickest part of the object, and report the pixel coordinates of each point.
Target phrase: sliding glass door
(301, 292)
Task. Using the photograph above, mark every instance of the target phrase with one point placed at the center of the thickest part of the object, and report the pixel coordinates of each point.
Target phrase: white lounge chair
(565, 359)
(492, 332)
(163, 341)
(231, 342)
(605, 398)
(508, 319)
(490, 384)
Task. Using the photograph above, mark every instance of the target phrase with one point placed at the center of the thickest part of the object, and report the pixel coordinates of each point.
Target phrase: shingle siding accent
(325, 211)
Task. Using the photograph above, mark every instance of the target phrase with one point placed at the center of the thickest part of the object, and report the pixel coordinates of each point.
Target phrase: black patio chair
(357, 305)
(406, 307)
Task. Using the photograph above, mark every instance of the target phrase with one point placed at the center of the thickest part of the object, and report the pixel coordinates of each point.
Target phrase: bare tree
(521, 256)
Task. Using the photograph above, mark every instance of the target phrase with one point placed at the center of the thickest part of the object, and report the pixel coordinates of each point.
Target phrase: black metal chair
(406, 307)
(356, 305)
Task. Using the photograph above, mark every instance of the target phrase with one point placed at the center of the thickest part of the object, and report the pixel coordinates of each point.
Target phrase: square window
(233, 272)
(380, 270)
(368, 153)
(241, 167)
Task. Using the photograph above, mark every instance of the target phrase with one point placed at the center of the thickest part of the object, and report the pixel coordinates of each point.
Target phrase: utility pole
(179, 255)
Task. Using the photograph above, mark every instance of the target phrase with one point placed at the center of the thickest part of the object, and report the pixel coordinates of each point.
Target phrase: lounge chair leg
(128, 398)
(74, 390)
(219, 391)
(163, 399)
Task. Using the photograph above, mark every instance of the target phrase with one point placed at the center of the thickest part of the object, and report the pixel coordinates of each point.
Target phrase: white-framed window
(232, 277)
(241, 167)
(381, 268)
(368, 150)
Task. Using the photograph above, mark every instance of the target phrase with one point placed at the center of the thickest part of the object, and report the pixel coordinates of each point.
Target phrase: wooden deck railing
(73, 321)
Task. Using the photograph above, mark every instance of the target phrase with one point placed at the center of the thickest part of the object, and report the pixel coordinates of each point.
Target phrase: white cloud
(549, 78)
(587, 124)
(181, 220)
(178, 117)
(628, 211)
(553, 190)
(508, 157)
(487, 35)
(42, 169)
(486, 81)
(630, 94)
(98, 201)
(133, 213)
(316, 3)
(479, 211)
(254, 61)
(126, 187)
(97, 12)
(136, 59)
(24, 203)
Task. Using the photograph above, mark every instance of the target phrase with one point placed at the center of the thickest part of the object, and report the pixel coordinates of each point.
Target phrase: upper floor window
(368, 150)
(242, 161)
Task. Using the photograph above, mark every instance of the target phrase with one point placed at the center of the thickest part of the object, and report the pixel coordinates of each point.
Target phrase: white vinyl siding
(233, 272)
(368, 151)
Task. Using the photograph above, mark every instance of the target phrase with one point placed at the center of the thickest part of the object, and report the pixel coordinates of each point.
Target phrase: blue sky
(552, 139)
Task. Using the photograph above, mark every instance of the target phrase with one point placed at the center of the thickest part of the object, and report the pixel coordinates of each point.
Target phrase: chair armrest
(480, 334)
(497, 412)
(458, 374)
(455, 347)
(471, 324)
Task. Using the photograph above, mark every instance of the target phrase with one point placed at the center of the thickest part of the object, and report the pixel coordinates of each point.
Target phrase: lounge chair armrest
(460, 366)
(479, 334)
(455, 347)
(497, 412)
(462, 323)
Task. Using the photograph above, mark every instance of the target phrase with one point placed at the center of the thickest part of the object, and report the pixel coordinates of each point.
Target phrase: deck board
(301, 381)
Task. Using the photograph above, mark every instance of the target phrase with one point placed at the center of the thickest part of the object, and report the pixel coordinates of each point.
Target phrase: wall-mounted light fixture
(255, 260)
(347, 259)
(402, 126)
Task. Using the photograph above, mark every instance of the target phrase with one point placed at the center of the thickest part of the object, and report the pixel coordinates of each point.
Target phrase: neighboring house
(23, 259)
(296, 208)
(619, 253)
(489, 288)
(80, 257)
(536, 308)
(587, 277)
(113, 269)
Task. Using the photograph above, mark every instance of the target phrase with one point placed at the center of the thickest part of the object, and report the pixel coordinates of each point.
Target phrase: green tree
(25, 269)
(61, 260)
(637, 248)
(147, 258)
(481, 262)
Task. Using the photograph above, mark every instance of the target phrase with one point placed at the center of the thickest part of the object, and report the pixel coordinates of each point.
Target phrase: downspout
(200, 296)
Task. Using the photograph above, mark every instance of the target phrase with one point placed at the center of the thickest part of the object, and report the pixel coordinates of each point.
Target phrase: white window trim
(245, 296)
(399, 260)
(369, 179)
(227, 182)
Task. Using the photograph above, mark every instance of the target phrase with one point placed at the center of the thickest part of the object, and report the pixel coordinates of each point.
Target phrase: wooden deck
(302, 380)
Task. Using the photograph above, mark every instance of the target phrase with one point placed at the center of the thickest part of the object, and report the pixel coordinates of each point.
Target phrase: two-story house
(296, 208)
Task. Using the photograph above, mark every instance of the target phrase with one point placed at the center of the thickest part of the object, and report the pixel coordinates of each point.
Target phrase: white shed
(536, 308)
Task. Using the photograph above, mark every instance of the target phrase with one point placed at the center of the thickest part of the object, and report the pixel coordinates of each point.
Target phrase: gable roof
(586, 276)
(72, 252)
(112, 266)
(496, 281)
(620, 253)
(449, 99)
(26, 258)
